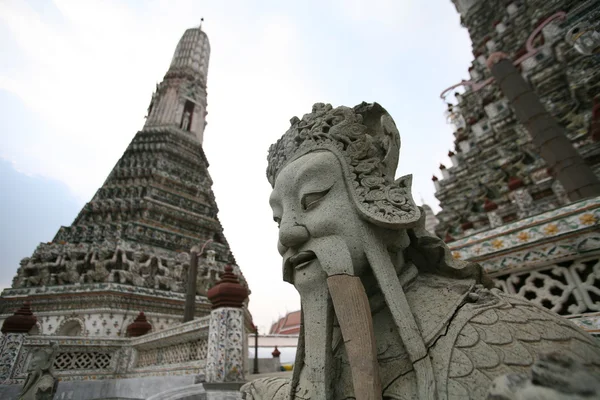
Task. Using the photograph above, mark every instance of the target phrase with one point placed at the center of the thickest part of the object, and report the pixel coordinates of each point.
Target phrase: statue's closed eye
(310, 200)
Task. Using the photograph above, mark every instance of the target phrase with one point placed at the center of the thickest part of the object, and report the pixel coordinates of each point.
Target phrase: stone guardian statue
(387, 312)
(40, 383)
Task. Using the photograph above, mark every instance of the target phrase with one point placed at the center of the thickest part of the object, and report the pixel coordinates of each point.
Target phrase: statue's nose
(292, 234)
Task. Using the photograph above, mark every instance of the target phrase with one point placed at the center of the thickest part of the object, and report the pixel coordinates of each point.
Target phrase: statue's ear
(390, 205)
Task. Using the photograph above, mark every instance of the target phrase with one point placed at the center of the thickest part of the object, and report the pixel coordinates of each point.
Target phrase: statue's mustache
(301, 260)
(332, 252)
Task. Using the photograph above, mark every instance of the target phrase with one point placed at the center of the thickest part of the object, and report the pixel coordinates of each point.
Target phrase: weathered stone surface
(553, 377)
(10, 392)
(131, 388)
(41, 382)
(440, 329)
(490, 143)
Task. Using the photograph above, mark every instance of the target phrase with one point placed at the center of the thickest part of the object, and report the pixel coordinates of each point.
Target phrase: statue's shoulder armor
(496, 334)
(267, 389)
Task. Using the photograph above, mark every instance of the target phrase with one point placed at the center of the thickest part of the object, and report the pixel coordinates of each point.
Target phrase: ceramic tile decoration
(225, 360)
(566, 231)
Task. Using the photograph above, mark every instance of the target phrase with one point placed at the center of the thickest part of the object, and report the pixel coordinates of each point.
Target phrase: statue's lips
(302, 259)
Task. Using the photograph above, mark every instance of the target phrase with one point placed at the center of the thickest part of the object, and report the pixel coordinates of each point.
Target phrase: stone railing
(552, 259)
(173, 354)
(212, 349)
(76, 358)
(181, 350)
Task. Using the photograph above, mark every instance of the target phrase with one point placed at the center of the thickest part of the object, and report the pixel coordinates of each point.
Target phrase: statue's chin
(309, 276)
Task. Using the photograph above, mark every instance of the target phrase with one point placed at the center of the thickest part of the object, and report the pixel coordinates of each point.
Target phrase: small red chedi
(21, 321)
(228, 292)
(276, 353)
(140, 326)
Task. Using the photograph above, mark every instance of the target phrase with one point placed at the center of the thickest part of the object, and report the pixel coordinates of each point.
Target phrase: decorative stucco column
(490, 208)
(521, 197)
(560, 193)
(226, 336)
(548, 136)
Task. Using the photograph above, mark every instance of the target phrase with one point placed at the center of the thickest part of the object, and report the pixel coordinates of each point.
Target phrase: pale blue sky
(76, 79)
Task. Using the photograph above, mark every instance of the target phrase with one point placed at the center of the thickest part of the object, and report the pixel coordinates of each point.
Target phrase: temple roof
(287, 325)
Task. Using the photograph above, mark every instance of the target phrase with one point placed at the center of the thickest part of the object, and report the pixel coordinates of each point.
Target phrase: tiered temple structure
(502, 206)
(127, 250)
(497, 175)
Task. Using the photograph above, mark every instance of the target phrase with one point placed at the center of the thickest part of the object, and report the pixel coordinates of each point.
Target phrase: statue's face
(312, 206)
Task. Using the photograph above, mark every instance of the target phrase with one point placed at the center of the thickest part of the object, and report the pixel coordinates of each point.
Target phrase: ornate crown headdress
(367, 143)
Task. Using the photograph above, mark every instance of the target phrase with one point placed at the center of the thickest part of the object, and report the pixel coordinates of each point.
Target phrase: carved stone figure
(40, 383)
(185, 122)
(210, 258)
(20, 280)
(123, 274)
(71, 265)
(140, 272)
(39, 273)
(137, 274)
(203, 283)
(387, 312)
(100, 261)
(40, 277)
(162, 277)
(177, 284)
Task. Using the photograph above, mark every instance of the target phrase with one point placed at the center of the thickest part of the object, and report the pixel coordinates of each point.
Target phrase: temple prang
(128, 248)
(492, 147)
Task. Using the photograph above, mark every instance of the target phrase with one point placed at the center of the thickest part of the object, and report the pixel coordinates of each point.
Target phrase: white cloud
(392, 14)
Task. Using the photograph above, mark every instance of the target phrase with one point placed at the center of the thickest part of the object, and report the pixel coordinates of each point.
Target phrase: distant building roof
(287, 325)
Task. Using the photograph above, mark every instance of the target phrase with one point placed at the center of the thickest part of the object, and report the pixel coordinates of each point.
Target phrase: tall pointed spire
(180, 99)
(134, 235)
